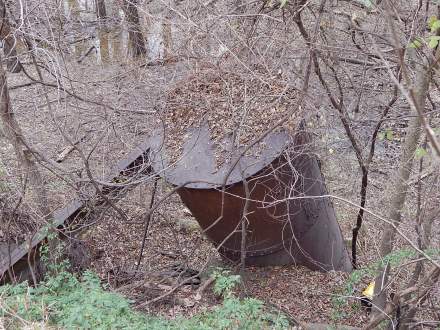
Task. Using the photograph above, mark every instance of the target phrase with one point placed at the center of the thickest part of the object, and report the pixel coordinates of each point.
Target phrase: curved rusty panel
(197, 163)
(280, 231)
(289, 221)
(265, 230)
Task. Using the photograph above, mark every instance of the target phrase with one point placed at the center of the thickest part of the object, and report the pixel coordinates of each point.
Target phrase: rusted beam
(15, 258)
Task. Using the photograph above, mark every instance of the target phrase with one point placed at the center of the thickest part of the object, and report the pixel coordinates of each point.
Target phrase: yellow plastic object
(369, 291)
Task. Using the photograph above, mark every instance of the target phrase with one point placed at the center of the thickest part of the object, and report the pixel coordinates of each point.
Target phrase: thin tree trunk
(12, 62)
(101, 12)
(167, 39)
(136, 40)
(418, 94)
(28, 169)
(400, 185)
(11, 127)
(14, 135)
(9, 41)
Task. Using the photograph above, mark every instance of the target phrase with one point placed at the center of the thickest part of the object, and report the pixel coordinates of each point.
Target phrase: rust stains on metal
(197, 163)
(289, 220)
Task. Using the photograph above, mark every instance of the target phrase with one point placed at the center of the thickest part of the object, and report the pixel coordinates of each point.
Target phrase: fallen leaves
(237, 106)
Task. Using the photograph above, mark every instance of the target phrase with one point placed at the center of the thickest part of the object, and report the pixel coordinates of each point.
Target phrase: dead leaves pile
(236, 105)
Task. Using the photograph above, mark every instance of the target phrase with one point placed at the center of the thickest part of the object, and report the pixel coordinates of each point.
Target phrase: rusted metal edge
(197, 163)
(138, 158)
(255, 253)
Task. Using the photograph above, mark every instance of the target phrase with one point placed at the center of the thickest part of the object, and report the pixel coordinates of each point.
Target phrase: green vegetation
(369, 272)
(64, 301)
(431, 40)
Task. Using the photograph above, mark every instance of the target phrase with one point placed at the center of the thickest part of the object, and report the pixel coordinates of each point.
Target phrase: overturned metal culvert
(289, 222)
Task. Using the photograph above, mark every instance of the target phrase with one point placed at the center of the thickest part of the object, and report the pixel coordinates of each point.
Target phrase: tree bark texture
(9, 42)
(14, 135)
(136, 39)
(101, 12)
(400, 184)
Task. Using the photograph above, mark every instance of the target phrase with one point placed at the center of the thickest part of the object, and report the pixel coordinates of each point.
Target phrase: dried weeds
(16, 224)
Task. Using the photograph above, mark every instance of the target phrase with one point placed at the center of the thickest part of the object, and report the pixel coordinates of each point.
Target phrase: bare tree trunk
(135, 38)
(418, 94)
(12, 62)
(104, 49)
(14, 135)
(29, 170)
(167, 39)
(400, 186)
(101, 12)
(9, 41)
(11, 127)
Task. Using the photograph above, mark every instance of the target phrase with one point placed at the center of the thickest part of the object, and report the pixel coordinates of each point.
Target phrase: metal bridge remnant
(14, 260)
(228, 173)
(290, 219)
(215, 145)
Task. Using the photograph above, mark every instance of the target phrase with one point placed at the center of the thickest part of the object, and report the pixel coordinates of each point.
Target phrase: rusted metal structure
(288, 219)
(14, 258)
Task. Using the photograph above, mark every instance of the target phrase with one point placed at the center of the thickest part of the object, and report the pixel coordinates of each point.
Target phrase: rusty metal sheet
(281, 229)
(197, 163)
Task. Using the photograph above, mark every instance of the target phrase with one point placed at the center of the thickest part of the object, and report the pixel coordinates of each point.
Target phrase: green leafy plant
(421, 152)
(51, 253)
(224, 282)
(367, 3)
(387, 134)
(235, 313)
(68, 302)
(432, 40)
(283, 3)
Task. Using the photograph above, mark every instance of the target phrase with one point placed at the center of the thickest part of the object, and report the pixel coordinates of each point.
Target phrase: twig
(147, 223)
(244, 221)
(67, 150)
(204, 286)
(85, 54)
